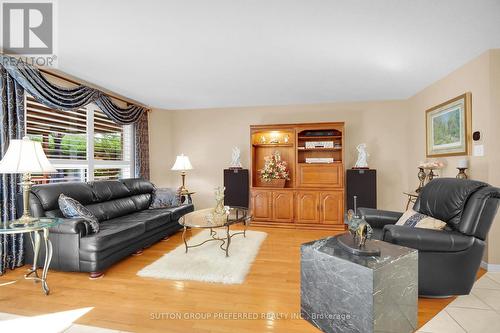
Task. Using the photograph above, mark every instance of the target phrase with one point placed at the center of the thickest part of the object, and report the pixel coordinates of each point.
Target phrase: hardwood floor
(123, 301)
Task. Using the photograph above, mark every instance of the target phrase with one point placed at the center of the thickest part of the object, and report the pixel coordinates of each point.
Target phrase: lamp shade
(25, 156)
(182, 163)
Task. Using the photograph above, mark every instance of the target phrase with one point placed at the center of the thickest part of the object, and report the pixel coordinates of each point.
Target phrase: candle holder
(461, 173)
(421, 177)
(431, 174)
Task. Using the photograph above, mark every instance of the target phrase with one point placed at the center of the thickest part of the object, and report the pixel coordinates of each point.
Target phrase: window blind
(82, 144)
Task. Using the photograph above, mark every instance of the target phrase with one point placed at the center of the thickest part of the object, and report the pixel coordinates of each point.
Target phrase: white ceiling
(220, 53)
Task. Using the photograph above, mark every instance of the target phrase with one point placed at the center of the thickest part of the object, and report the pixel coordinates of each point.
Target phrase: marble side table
(342, 292)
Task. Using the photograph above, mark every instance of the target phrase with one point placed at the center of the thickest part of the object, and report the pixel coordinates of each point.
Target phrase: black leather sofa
(448, 260)
(126, 224)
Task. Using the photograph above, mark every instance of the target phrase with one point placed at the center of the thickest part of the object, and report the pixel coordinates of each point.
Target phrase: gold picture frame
(448, 127)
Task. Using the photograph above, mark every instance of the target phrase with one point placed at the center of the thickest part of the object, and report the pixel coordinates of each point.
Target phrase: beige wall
(481, 77)
(207, 137)
(393, 130)
(474, 78)
(493, 253)
(161, 147)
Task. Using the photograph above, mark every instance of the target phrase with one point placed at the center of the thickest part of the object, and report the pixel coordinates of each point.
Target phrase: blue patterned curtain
(47, 93)
(142, 147)
(12, 127)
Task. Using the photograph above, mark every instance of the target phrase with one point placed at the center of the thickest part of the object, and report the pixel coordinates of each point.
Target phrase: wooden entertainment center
(313, 198)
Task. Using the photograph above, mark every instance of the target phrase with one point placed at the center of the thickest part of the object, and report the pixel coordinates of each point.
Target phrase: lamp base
(183, 191)
(24, 221)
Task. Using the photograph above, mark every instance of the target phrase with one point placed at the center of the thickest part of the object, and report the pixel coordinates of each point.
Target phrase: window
(82, 144)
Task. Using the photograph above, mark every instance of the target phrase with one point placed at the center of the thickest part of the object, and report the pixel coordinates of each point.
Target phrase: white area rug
(208, 262)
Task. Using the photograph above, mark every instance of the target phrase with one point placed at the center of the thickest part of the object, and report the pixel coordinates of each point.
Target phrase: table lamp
(182, 164)
(25, 157)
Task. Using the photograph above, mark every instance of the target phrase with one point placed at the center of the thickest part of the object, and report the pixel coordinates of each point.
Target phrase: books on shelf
(313, 160)
(319, 144)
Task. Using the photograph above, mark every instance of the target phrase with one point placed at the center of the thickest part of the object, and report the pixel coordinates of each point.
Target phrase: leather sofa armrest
(179, 211)
(72, 226)
(379, 218)
(427, 240)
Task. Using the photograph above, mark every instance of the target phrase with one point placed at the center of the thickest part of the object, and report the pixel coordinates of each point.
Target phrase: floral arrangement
(274, 168)
(431, 164)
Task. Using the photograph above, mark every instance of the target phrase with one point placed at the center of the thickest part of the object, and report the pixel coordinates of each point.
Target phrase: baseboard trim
(490, 267)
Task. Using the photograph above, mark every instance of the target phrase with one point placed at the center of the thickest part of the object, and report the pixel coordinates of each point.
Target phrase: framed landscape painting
(448, 127)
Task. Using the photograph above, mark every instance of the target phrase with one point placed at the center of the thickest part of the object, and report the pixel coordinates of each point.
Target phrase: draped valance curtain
(33, 81)
(61, 98)
(16, 77)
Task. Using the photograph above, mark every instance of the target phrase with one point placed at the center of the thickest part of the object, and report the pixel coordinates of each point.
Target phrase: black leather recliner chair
(448, 260)
(126, 224)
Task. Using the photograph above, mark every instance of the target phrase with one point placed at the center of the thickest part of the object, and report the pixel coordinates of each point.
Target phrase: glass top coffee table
(208, 219)
(40, 225)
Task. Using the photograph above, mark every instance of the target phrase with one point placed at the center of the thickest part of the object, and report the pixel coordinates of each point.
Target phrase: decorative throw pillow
(412, 218)
(71, 208)
(165, 198)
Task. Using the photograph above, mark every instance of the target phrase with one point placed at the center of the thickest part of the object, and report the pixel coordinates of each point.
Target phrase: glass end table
(38, 226)
(208, 219)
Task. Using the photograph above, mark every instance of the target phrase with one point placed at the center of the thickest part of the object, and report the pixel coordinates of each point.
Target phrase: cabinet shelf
(319, 149)
(267, 145)
(303, 137)
(335, 162)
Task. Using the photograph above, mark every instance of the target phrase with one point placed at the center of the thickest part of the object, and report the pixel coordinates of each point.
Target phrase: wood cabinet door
(307, 207)
(320, 175)
(282, 206)
(332, 207)
(261, 205)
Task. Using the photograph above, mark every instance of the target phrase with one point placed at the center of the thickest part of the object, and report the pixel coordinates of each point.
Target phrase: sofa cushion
(179, 211)
(108, 210)
(142, 201)
(150, 218)
(112, 234)
(71, 208)
(48, 194)
(411, 218)
(106, 190)
(165, 198)
(138, 186)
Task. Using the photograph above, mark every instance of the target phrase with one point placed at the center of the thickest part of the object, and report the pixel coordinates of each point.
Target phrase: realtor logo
(27, 28)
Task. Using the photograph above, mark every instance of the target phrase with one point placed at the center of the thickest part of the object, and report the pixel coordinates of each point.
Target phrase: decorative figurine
(235, 159)
(360, 231)
(353, 225)
(362, 162)
(355, 241)
(219, 199)
(275, 138)
(358, 227)
(363, 233)
(286, 139)
(421, 177)
(263, 139)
